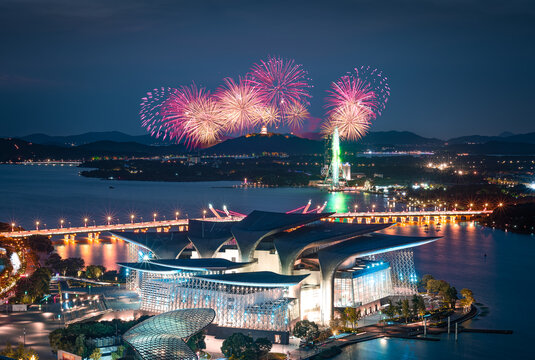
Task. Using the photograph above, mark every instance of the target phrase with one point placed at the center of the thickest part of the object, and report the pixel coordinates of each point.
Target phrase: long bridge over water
(164, 225)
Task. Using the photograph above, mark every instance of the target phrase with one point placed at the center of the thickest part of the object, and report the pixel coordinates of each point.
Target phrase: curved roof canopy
(332, 256)
(164, 244)
(161, 337)
(209, 236)
(259, 224)
(290, 244)
(210, 264)
(147, 266)
(257, 278)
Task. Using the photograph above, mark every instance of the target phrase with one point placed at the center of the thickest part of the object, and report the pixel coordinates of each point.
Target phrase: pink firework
(349, 90)
(352, 105)
(189, 115)
(239, 103)
(151, 112)
(280, 82)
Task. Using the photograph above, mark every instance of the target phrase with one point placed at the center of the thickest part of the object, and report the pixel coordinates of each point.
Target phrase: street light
(109, 219)
(85, 221)
(176, 215)
(61, 223)
(12, 227)
(204, 214)
(132, 218)
(373, 208)
(154, 216)
(37, 225)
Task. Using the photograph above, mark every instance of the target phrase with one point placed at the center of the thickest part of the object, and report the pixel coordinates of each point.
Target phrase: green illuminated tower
(335, 160)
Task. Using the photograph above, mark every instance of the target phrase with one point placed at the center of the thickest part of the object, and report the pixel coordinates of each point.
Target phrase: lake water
(502, 281)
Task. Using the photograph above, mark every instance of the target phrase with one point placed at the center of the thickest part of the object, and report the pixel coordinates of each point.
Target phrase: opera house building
(264, 272)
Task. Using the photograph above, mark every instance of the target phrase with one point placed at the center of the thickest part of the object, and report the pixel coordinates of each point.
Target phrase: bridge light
(37, 225)
(12, 226)
(85, 221)
(109, 219)
(500, 204)
(61, 221)
(154, 216)
(176, 215)
(132, 218)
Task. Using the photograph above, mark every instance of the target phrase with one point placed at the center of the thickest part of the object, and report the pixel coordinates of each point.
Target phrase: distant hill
(90, 137)
(503, 137)
(271, 143)
(493, 148)
(398, 138)
(20, 150)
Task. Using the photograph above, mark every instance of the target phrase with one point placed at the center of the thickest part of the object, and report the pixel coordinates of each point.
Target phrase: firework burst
(296, 113)
(352, 105)
(189, 115)
(268, 115)
(351, 120)
(239, 103)
(280, 83)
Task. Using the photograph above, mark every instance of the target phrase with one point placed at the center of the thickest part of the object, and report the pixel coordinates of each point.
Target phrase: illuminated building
(162, 337)
(270, 269)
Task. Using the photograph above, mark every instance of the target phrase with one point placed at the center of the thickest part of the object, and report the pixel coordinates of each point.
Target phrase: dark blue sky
(456, 67)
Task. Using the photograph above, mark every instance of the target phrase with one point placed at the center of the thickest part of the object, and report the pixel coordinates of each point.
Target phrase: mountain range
(117, 144)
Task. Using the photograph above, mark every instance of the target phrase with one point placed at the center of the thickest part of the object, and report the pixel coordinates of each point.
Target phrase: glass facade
(363, 286)
(247, 307)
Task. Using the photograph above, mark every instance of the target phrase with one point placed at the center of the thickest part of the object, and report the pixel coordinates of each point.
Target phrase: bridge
(350, 217)
(372, 217)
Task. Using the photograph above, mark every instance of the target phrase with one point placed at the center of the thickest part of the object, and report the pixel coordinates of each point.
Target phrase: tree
(324, 335)
(197, 342)
(263, 347)
(405, 309)
(71, 266)
(468, 297)
(118, 354)
(40, 243)
(390, 310)
(54, 263)
(94, 271)
(449, 295)
(306, 330)
(96, 354)
(425, 280)
(240, 347)
(20, 352)
(352, 315)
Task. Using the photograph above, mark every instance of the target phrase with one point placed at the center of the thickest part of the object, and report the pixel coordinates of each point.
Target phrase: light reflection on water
(502, 280)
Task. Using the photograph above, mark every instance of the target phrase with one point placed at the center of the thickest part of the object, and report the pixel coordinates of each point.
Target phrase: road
(37, 324)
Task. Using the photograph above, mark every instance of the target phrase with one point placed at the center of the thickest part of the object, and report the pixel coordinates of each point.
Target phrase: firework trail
(378, 84)
(280, 83)
(240, 104)
(351, 106)
(189, 115)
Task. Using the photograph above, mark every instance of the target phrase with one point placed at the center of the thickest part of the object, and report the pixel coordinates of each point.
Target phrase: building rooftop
(265, 220)
(163, 244)
(161, 337)
(198, 264)
(259, 278)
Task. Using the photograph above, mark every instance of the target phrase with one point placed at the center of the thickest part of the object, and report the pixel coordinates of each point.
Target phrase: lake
(502, 281)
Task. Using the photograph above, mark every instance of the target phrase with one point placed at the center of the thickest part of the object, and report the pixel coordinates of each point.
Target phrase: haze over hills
(528, 138)
(117, 144)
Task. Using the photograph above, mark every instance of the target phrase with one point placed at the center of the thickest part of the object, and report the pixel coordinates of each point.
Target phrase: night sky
(456, 67)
